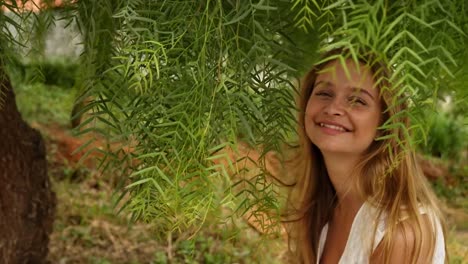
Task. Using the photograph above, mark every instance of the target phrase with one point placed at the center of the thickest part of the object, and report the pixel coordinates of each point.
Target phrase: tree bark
(27, 203)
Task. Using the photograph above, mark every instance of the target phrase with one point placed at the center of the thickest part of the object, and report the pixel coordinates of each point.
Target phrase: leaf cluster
(422, 42)
(174, 83)
(180, 81)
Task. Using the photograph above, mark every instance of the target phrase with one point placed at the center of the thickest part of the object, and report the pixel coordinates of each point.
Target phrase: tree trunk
(27, 203)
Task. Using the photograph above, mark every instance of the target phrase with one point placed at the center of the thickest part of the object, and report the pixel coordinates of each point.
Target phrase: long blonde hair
(388, 176)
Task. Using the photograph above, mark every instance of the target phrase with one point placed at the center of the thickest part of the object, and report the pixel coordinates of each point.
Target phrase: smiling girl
(361, 196)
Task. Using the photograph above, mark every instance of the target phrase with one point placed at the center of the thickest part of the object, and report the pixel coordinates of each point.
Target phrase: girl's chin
(340, 150)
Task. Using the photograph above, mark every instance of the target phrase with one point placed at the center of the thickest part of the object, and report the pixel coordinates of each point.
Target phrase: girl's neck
(340, 169)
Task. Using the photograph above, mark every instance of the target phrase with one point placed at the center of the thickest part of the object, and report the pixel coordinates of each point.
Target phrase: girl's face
(343, 111)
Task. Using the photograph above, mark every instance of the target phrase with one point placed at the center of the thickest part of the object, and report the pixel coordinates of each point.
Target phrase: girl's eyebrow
(362, 90)
(355, 89)
(327, 83)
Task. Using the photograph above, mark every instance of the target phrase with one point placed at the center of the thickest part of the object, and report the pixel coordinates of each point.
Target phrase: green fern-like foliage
(179, 81)
(183, 80)
(10, 21)
(419, 40)
(171, 84)
(22, 37)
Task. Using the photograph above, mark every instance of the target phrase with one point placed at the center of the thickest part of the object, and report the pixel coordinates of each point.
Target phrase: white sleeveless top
(358, 247)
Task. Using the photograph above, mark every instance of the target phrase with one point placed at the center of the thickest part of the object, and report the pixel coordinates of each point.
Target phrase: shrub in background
(49, 72)
(446, 137)
(44, 88)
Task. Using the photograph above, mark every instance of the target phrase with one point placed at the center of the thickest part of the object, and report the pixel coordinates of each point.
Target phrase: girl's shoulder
(425, 236)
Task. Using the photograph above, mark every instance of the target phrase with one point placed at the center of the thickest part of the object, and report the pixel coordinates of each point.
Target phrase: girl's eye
(324, 94)
(357, 100)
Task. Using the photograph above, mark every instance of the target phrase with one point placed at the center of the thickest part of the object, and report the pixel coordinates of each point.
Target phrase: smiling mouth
(334, 127)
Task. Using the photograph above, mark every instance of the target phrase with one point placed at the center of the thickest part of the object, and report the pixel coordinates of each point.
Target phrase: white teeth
(333, 127)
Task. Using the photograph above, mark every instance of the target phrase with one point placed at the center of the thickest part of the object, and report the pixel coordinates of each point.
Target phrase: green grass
(44, 104)
(87, 230)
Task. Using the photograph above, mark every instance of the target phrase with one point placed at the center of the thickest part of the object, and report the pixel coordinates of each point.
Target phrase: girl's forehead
(348, 71)
(348, 67)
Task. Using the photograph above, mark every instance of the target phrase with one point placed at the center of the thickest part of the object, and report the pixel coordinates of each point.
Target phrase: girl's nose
(335, 107)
